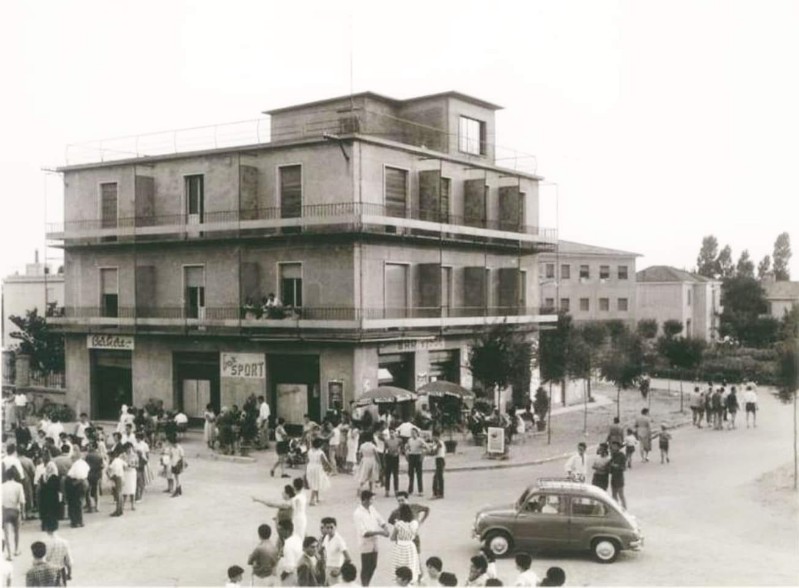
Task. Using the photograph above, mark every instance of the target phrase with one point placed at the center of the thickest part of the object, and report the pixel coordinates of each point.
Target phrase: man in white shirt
(21, 404)
(527, 577)
(11, 460)
(577, 465)
(75, 487)
(335, 550)
(54, 430)
(128, 436)
(405, 429)
(750, 404)
(115, 472)
(264, 412)
(80, 428)
(292, 552)
(369, 525)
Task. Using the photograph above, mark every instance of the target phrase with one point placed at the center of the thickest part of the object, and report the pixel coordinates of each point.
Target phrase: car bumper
(637, 544)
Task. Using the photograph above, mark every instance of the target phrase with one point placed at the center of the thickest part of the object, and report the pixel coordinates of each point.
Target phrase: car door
(543, 522)
(589, 517)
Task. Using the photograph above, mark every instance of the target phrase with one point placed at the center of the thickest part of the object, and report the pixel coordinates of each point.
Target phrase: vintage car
(559, 515)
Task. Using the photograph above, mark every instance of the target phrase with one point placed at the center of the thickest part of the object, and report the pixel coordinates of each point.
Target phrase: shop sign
(412, 345)
(335, 393)
(243, 365)
(119, 342)
(496, 440)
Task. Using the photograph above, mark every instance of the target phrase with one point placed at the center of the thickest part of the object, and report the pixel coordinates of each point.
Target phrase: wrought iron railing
(47, 379)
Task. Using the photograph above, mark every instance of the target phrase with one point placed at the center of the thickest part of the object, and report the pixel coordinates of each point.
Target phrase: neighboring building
(384, 227)
(590, 283)
(667, 293)
(781, 296)
(33, 289)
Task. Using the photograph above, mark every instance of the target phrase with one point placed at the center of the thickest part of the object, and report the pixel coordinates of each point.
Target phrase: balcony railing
(243, 317)
(357, 216)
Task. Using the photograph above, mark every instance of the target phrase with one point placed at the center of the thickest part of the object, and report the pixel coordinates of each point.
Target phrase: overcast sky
(659, 122)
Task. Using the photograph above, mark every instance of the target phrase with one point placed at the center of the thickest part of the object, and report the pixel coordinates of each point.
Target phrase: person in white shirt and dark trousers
(577, 465)
(75, 487)
(369, 526)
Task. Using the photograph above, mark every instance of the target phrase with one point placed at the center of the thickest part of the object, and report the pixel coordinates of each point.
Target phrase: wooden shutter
(474, 202)
(396, 192)
(291, 191)
(429, 194)
(396, 286)
(428, 289)
(248, 192)
(474, 289)
(250, 271)
(509, 208)
(145, 288)
(108, 204)
(145, 201)
(508, 289)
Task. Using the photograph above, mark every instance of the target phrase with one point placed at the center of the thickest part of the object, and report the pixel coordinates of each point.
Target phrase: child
(403, 576)
(630, 444)
(352, 449)
(664, 437)
(235, 574)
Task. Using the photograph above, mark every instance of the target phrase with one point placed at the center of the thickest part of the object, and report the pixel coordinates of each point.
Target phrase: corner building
(384, 227)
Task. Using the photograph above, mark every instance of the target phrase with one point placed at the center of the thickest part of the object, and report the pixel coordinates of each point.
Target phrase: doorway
(111, 383)
(294, 387)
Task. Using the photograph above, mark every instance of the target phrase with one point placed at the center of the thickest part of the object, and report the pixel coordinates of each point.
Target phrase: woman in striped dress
(404, 551)
(369, 470)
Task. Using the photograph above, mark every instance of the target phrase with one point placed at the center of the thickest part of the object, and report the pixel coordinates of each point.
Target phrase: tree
(745, 266)
(764, 267)
(45, 348)
(724, 265)
(672, 328)
(553, 354)
(685, 354)
(743, 300)
(706, 262)
(789, 325)
(500, 356)
(585, 345)
(782, 257)
(647, 328)
(616, 328)
(622, 364)
(788, 387)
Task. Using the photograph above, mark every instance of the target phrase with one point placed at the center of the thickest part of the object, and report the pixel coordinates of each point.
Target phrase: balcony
(348, 217)
(236, 320)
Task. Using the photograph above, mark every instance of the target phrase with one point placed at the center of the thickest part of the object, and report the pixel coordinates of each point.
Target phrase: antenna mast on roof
(352, 34)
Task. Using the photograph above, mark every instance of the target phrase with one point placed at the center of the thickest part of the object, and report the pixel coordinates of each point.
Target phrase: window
(550, 270)
(588, 507)
(194, 280)
(446, 187)
(689, 297)
(472, 136)
(290, 191)
(565, 304)
(623, 272)
(604, 304)
(108, 205)
(604, 272)
(109, 293)
(585, 272)
(523, 289)
(565, 271)
(396, 191)
(584, 304)
(545, 504)
(446, 290)
(549, 303)
(291, 284)
(195, 198)
(622, 304)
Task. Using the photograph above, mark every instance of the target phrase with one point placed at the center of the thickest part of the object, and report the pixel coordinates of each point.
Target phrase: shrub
(53, 410)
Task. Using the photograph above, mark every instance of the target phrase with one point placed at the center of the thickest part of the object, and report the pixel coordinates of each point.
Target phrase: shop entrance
(111, 383)
(446, 365)
(196, 383)
(294, 387)
(401, 368)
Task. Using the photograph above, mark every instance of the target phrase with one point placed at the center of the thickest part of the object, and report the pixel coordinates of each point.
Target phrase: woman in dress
(369, 470)
(299, 506)
(643, 428)
(49, 503)
(352, 449)
(210, 425)
(404, 551)
(124, 418)
(129, 479)
(315, 471)
(177, 462)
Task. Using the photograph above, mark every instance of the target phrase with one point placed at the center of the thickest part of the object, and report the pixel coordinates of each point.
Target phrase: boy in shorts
(663, 441)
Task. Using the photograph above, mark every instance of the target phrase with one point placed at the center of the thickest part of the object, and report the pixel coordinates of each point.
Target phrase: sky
(654, 123)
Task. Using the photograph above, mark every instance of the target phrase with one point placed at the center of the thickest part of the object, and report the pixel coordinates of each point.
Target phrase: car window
(545, 504)
(588, 507)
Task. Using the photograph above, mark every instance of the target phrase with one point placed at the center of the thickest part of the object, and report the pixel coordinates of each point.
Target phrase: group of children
(720, 405)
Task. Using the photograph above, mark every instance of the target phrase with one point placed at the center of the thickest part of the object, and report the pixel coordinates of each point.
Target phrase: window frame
(465, 138)
(547, 274)
(100, 185)
(626, 304)
(279, 286)
(407, 188)
(604, 272)
(581, 500)
(185, 291)
(604, 302)
(567, 306)
(100, 270)
(279, 183)
(587, 304)
(587, 275)
(626, 275)
(187, 199)
(565, 271)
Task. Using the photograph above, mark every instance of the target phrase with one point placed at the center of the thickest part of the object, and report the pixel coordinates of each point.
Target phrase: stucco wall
(78, 371)
(22, 293)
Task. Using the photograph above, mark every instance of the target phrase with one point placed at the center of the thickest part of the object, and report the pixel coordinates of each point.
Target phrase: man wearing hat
(369, 526)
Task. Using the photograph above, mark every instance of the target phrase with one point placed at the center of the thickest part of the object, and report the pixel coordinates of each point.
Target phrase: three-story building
(384, 228)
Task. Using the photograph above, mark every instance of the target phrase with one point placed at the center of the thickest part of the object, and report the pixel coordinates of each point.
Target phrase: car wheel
(605, 550)
(499, 543)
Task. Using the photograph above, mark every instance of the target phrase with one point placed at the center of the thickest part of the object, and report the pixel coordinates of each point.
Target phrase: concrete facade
(33, 289)
(781, 296)
(608, 292)
(667, 293)
(386, 255)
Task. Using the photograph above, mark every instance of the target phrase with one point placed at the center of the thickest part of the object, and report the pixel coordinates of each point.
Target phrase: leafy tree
(45, 347)
(724, 264)
(672, 328)
(745, 266)
(554, 351)
(764, 267)
(616, 328)
(788, 387)
(647, 328)
(706, 262)
(585, 346)
(744, 301)
(500, 356)
(782, 257)
(685, 354)
(623, 364)
(789, 325)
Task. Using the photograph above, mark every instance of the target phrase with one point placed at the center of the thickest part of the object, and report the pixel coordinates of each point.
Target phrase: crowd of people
(56, 476)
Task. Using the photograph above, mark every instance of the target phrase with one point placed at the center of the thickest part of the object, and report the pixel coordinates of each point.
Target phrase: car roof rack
(558, 483)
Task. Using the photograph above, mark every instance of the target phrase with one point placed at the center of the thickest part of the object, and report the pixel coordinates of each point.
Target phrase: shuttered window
(194, 277)
(108, 205)
(396, 290)
(291, 191)
(291, 284)
(195, 196)
(446, 185)
(396, 191)
(109, 292)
